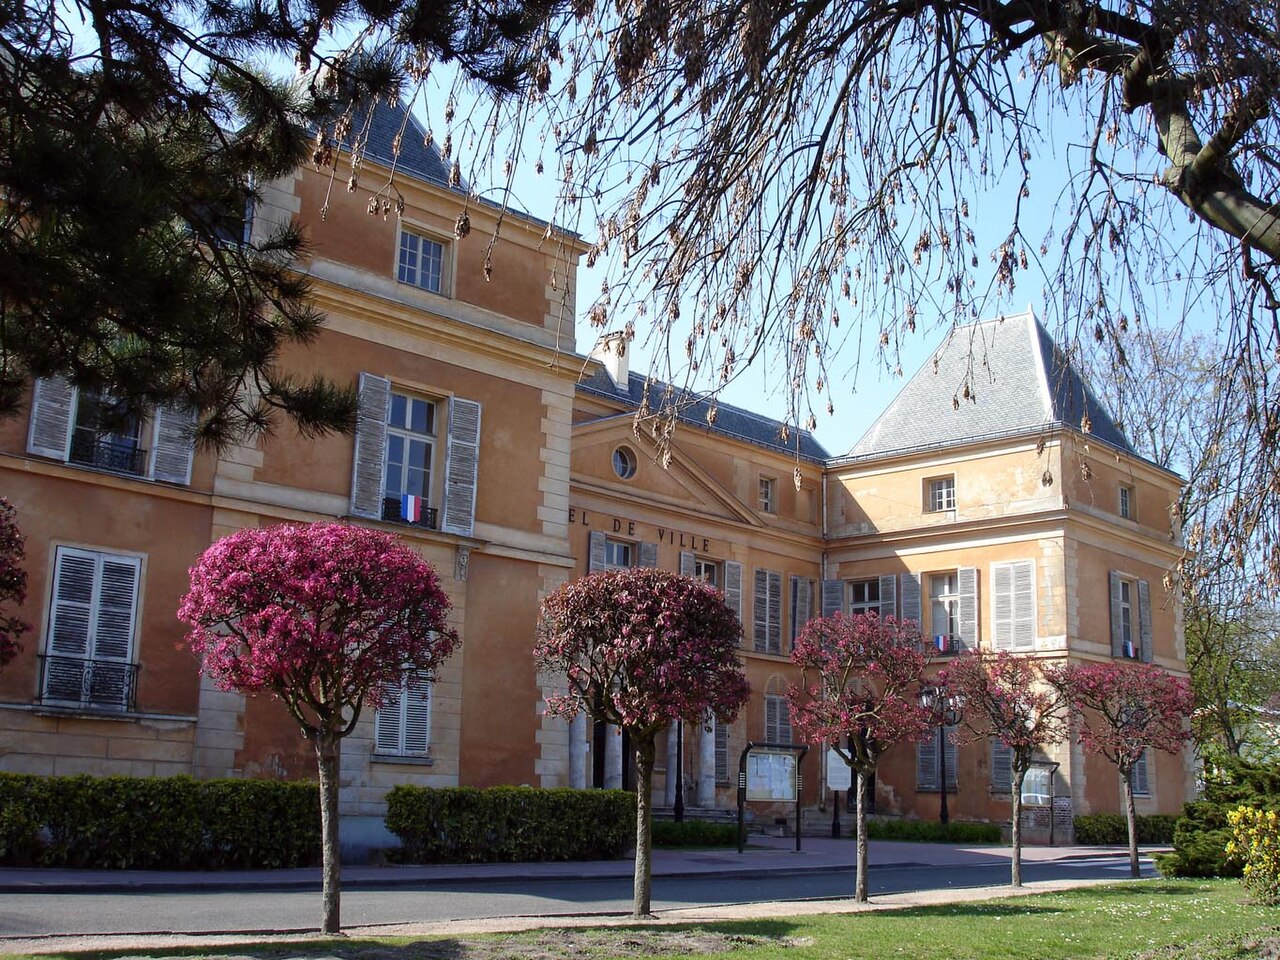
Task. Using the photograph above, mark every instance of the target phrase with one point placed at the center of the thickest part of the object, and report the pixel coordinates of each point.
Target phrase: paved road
(35, 914)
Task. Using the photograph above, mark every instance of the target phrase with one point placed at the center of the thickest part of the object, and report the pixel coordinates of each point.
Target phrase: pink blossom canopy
(860, 682)
(326, 615)
(641, 648)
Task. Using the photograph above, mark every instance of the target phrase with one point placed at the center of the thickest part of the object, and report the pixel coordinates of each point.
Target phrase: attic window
(423, 262)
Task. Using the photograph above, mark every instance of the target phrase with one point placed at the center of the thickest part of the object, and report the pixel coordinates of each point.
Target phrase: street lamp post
(945, 710)
(677, 810)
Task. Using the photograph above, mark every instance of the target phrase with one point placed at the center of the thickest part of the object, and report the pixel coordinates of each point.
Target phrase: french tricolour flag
(942, 642)
(411, 508)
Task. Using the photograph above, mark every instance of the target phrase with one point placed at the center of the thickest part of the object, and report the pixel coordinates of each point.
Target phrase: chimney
(611, 351)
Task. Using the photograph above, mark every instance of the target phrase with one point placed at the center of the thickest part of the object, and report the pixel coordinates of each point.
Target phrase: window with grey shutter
(733, 586)
(88, 655)
(911, 597)
(767, 612)
(172, 444)
(801, 604)
(596, 560)
(1117, 628)
(1141, 778)
(888, 596)
(648, 555)
(461, 467)
(52, 408)
(927, 760)
(1013, 625)
(687, 561)
(1144, 620)
(402, 725)
(1001, 767)
(370, 458)
(777, 719)
(722, 752)
(967, 590)
(832, 597)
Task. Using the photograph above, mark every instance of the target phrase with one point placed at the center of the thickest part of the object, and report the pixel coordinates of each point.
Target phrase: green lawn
(1157, 920)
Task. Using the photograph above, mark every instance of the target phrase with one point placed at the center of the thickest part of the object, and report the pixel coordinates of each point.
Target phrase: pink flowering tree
(1012, 699)
(13, 582)
(328, 618)
(859, 694)
(641, 649)
(1124, 708)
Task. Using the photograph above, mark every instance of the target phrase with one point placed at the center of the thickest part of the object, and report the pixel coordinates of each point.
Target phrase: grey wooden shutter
(801, 604)
(1144, 620)
(733, 586)
(1024, 605)
(172, 444)
(889, 596)
(368, 471)
(416, 707)
(760, 611)
(596, 558)
(1141, 777)
(648, 555)
(967, 589)
(1001, 767)
(92, 618)
(911, 597)
(774, 635)
(722, 752)
(949, 746)
(1002, 606)
(461, 467)
(1117, 627)
(927, 763)
(686, 563)
(117, 601)
(832, 597)
(388, 725)
(52, 406)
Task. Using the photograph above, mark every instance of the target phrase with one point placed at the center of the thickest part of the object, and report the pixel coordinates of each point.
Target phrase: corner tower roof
(1019, 381)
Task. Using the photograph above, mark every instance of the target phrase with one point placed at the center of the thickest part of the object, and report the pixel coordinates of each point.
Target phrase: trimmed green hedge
(1110, 829)
(930, 831)
(170, 823)
(694, 833)
(510, 824)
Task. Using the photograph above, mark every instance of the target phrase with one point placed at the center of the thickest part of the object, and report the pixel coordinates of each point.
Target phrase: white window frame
(95, 619)
(867, 604)
(940, 494)
(1128, 606)
(397, 705)
(424, 235)
(1126, 502)
(949, 601)
(708, 571)
(406, 434)
(767, 494)
(613, 548)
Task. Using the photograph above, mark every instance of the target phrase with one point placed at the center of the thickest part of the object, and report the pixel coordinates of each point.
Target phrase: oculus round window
(624, 463)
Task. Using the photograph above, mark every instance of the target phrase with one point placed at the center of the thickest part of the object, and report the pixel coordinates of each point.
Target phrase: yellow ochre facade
(509, 459)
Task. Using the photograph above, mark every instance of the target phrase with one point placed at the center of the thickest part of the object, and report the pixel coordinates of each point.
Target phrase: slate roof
(416, 158)
(730, 421)
(1019, 381)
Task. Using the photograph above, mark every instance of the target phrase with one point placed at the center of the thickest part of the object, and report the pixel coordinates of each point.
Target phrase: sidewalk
(764, 855)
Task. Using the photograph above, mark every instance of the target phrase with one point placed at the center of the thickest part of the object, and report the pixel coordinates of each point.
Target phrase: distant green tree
(131, 136)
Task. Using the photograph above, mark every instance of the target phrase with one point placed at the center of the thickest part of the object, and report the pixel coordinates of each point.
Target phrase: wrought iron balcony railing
(101, 684)
(107, 452)
(392, 511)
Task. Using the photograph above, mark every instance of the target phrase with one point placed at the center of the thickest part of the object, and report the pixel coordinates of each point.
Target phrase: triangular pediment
(683, 484)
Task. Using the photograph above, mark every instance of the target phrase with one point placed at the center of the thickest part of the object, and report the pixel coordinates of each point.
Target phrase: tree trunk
(1131, 816)
(860, 884)
(1015, 862)
(644, 827)
(327, 755)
